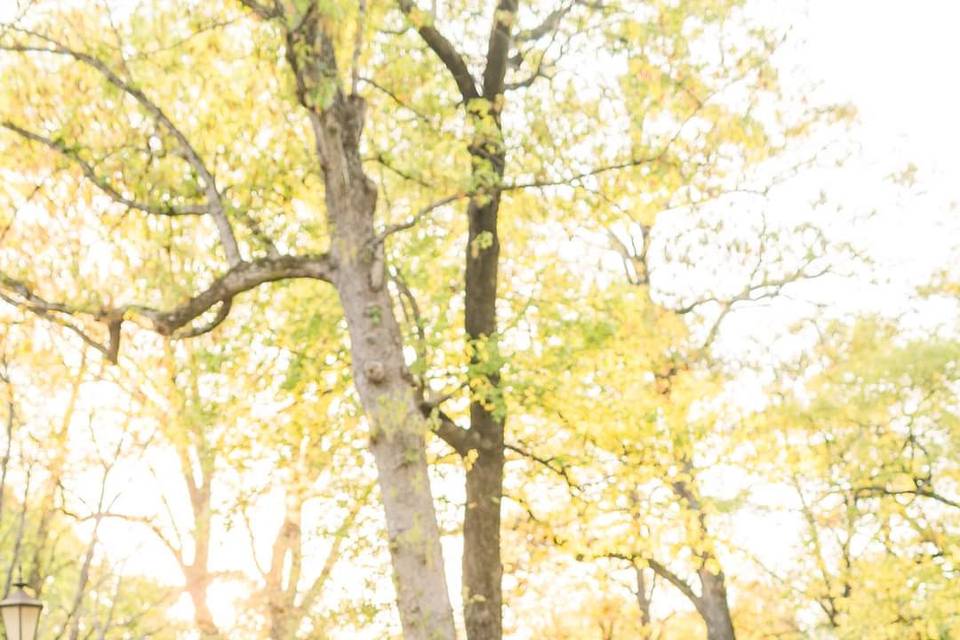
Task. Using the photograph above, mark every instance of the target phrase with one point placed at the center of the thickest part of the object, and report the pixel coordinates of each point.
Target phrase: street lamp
(21, 613)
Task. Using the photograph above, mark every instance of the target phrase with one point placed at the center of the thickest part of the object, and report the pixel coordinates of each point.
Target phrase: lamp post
(21, 613)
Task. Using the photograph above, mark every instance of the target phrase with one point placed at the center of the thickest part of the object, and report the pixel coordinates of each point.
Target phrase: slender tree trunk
(713, 606)
(482, 567)
(643, 602)
(283, 618)
(198, 580)
(386, 389)
(712, 603)
(197, 574)
(46, 505)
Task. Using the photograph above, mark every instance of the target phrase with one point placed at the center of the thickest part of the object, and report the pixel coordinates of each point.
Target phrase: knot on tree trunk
(374, 371)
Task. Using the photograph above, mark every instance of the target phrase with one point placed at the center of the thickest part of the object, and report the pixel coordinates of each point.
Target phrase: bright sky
(896, 61)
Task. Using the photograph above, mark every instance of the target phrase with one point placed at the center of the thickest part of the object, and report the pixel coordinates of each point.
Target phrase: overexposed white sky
(896, 60)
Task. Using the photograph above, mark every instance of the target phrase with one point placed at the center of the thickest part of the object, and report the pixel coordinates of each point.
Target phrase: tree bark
(198, 580)
(713, 606)
(643, 601)
(386, 389)
(482, 566)
(282, 614)
(712, 603)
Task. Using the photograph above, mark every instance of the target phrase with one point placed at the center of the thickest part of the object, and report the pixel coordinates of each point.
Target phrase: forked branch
(444, 49)
(240, 278)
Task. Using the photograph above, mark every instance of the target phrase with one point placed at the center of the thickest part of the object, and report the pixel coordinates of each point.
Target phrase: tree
(54, 499)
(197, 154)
(285, 422)
(353, 263)
(640, 478)
(874, 483)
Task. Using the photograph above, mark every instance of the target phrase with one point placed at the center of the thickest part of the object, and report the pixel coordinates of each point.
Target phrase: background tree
(873, 480)
(59, 478)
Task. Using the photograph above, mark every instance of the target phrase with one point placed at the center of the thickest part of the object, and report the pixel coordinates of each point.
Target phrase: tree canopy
(330, 305)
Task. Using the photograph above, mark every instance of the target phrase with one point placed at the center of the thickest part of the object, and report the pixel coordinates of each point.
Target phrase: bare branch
(240, 278)
(549, 25)
(537, 73)
(662, 571)
(445, 50)
(920, 492)
(419, 215)
(393, 96)
(414, 317)
(149, 523)
(460, 439)
(675, 580)
(549, 463)
(16, 294)
(333, 555)
(101, 183)
(765, 289)
(626, 164)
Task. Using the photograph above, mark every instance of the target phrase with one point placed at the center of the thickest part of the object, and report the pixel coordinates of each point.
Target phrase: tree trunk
(397, 440)
(482, 567)
(282, 616)
(58, 444)
(643, 602)
(397, 428)
(197, 580)
(713, 606)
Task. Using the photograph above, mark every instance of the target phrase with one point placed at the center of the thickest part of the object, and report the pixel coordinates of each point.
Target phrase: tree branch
(877, 490)
(412, 222)
(498, 48)
(154, 528)
(214, 201)
(240, 278)
(549, 25)
(333, 555)
(626, 164)
(444, 49)
(101, 183)
(262, 10)
(16, 294)
(460, 439)
(675, 580)
(548, 463)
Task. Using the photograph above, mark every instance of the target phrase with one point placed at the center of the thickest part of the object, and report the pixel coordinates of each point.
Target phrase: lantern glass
(21, 613)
